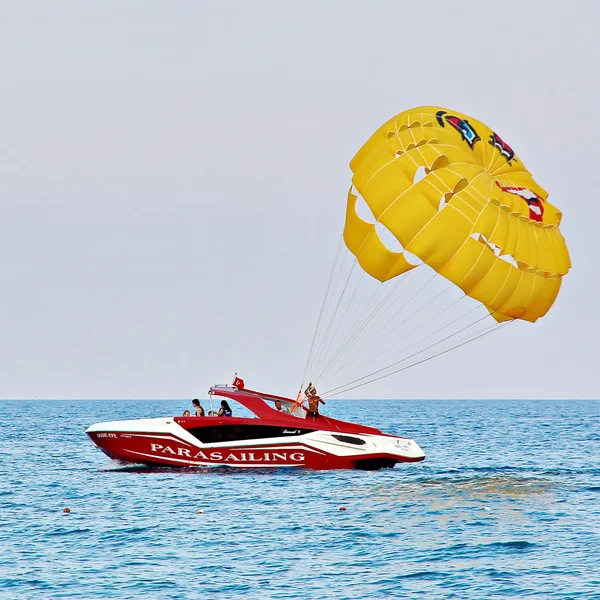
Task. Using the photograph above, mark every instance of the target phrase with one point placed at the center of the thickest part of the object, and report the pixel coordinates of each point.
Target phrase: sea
(506, 505)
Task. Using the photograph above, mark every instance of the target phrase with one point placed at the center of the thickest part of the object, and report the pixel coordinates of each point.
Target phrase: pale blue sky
(164, 165)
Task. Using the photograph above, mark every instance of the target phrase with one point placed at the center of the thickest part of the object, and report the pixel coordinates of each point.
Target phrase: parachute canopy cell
(452, 192)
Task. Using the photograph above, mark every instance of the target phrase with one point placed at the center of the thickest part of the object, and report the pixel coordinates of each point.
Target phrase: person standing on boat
(313, 406)
(313, 401)
(199, 410)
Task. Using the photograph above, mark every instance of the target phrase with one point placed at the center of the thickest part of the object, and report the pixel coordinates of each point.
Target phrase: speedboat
(272, 438)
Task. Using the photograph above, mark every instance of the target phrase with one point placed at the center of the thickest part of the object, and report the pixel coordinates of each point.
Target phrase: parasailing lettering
(231, 456)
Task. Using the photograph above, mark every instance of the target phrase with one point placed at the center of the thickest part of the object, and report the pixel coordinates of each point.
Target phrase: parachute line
(385, 324)
(341, 320)
(359, 327)
(394, 345)
(331, 273)
(464, 341)
(431, 346)
(335, 312)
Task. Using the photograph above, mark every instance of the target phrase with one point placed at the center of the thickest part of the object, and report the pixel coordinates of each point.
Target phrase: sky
(173, 181)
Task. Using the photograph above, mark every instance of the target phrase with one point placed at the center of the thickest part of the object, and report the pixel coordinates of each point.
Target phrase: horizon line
(553, 399)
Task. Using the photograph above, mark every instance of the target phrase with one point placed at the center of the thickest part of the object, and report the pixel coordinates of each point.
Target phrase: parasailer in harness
(313, 401)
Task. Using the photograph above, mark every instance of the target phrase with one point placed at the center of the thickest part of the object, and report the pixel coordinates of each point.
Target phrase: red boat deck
(256, 403)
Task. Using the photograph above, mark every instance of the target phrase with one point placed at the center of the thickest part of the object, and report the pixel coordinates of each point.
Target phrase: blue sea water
(506, 505)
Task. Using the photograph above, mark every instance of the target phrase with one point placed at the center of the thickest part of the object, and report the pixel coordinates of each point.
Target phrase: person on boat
(281, 408)
(313, 401)
(224, 411)
(310, 390)
(186, 413)
(198, 407)
(313, 406)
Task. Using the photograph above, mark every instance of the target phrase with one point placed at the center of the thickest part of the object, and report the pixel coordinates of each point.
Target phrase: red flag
(238, 383)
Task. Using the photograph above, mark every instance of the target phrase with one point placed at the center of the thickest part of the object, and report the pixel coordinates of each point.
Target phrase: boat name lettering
(106, 435)
(231, 457)
(291, 431)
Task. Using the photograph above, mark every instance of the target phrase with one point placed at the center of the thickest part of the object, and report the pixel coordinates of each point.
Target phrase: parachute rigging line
(375, 372)
(365, 319)
(494, 327)
(327, 363)
(375, 315)
(362, 273)
(395, 344)
(332, 320)
(418, 342)
(337, 256)
(397, 313)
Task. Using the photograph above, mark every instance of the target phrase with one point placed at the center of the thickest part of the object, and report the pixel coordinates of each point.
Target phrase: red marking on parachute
(503, 147)
(534, 201)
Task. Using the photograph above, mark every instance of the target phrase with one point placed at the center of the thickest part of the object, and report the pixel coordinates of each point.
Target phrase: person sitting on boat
(224, 411)
(186, 413)
(198, 407)
(281, 408)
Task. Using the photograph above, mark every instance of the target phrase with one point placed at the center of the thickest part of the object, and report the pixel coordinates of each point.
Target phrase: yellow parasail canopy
(453, 193)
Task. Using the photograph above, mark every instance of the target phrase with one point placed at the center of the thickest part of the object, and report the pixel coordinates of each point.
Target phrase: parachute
(437, 191)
